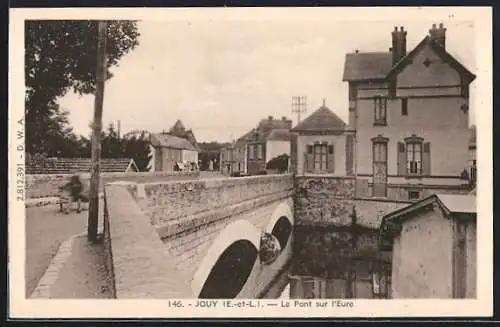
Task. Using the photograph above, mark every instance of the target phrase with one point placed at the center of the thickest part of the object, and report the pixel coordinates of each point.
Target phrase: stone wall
(164, 202)
(135, 256)
(41, 185)
(337, 232)
(324, 200)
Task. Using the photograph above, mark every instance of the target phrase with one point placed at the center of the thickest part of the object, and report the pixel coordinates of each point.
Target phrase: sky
(222, 77)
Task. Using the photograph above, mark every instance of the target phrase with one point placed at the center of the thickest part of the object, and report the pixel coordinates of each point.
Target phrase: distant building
(323, 144)
(433, 245)
(270, 139)
(176, 150)
(410, 113)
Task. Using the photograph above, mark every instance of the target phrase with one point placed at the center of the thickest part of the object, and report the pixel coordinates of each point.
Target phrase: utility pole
(101, 68)
(299, 106)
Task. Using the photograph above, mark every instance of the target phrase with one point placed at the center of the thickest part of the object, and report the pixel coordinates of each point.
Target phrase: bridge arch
(281, 224)
(228, 263)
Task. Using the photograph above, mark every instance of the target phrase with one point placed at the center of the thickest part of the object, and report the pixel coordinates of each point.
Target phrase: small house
(172, 153)
(433, 246)
(322, 144)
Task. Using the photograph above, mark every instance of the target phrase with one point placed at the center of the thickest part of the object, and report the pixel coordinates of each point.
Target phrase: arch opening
(230, 272)
(282, 231)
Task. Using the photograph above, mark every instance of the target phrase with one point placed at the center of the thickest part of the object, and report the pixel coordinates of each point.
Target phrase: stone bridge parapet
(134, 256)
(177, 206)
(178, 234)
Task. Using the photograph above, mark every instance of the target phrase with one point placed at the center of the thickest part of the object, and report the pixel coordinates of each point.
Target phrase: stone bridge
(198, 238)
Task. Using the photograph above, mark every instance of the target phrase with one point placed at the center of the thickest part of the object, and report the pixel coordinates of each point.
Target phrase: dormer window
(380, 108)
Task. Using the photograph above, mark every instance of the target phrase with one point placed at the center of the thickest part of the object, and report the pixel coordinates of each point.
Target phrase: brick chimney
(438, 35)
(398, 44)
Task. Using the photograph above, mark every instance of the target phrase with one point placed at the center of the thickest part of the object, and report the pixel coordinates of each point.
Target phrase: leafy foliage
(136, 147)
(210, 151)
(60, 55)
(279, 163)
(112, 147)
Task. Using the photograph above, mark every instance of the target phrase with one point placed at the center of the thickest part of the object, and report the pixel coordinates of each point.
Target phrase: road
(46, 228)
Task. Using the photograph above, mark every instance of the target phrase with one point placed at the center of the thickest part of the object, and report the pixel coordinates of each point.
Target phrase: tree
(60, 56)
(138, 149)
(279, 163)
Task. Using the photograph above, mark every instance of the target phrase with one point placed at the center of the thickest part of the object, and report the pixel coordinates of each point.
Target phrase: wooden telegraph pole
(96, 133)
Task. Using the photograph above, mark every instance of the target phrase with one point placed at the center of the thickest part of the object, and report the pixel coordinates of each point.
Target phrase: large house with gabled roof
(409, 110)
(406, 138)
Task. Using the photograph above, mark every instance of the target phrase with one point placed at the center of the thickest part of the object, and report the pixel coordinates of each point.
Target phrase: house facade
(408, 110)
(433, 246)
(234, 157)
(406, 139)
(271, 138)
(323, 145)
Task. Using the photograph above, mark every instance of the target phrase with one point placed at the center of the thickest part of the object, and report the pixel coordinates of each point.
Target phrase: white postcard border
(482, 306)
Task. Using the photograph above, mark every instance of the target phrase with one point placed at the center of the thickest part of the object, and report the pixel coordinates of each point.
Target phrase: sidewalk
(83, 274)
(59, 264)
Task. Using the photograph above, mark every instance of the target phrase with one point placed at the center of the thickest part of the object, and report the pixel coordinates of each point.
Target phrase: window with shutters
(319, 158)
(320, 153)
(414, 157)
(250, 152)
(380, 107)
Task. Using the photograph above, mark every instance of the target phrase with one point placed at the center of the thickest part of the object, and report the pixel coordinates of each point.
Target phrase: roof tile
(171, 141)
(366, 66)
(323, 119)
(78, 165)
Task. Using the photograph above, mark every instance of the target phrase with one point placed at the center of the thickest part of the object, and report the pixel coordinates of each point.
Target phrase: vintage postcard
(250, 162)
